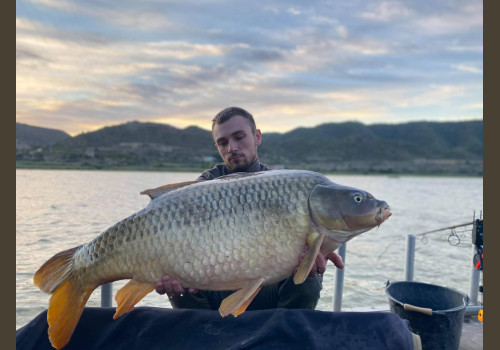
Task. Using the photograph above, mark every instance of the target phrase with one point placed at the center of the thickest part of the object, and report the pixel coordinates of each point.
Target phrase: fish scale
(237, 232)
(184, 229)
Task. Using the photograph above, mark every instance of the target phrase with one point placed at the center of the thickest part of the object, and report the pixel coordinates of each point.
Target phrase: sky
(84, 65)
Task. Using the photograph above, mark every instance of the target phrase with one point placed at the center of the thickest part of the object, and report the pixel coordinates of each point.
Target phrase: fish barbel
(238, 232)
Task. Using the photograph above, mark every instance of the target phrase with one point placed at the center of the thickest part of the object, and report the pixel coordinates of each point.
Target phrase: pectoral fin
(130, 294)
(238, 302)
(314, 241)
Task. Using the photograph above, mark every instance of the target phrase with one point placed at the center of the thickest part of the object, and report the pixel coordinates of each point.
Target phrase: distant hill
(417, 147)
(129, 145)
(356, 141)
(28, 136)
(143, 133)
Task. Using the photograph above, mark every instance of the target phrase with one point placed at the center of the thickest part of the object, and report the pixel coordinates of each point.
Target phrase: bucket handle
(423, 310)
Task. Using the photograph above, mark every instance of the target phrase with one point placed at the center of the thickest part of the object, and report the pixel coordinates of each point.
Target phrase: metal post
(410, 258)
(339, 281)
(474, 280)
(106, 291)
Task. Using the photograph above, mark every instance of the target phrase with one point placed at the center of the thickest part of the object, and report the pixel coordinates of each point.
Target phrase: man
(237, 139)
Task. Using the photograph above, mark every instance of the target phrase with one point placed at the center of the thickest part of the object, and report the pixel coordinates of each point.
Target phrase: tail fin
(65, 308)
(68, 299)
(54, 271)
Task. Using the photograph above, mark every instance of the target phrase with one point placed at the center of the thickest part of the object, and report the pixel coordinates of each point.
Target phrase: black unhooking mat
(159, 328)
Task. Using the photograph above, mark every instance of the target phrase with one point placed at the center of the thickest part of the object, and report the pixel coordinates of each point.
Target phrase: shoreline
(174, 168)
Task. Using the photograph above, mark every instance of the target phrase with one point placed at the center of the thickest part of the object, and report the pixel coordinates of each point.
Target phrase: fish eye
(358, 198)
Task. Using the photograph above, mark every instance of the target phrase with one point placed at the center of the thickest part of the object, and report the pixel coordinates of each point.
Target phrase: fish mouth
(383, 214)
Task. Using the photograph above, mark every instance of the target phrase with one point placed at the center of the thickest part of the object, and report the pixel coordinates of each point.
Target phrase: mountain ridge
(414, 147)
(28, 136)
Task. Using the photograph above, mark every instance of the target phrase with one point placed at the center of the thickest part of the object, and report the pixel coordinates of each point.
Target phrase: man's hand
(319, 266)
(172, 287)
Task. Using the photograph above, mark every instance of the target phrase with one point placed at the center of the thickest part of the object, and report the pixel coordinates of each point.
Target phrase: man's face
(236, 143)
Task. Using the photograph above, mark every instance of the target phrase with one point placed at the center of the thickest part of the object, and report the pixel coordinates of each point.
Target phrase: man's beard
(239, 167)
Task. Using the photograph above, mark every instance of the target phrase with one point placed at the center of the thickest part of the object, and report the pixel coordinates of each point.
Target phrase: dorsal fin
(236, 175)
(156, 192)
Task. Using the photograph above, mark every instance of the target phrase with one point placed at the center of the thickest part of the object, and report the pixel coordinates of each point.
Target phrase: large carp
(238, 232)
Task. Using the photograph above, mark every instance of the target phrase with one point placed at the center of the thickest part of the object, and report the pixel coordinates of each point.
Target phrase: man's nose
(233, 146)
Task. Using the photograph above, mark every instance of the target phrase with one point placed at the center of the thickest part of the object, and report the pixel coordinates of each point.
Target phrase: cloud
(137, 16)
(26, 54)
(293, 11)
(466, 15)
(25, 24)
(327, 53)
(434, 95)
(58, 4)
(271, 9)
(95, 63)
(478, 106)
(465, 48)
(258, 53)
(386, 11)
(468, 68)
(182, 50)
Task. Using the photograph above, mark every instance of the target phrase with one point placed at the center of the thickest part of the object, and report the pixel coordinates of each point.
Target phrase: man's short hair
(226, 114)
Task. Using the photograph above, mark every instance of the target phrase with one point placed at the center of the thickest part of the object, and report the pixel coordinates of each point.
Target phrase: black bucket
(435, 313)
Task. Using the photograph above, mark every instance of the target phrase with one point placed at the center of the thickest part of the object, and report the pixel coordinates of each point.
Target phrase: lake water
(60, 209)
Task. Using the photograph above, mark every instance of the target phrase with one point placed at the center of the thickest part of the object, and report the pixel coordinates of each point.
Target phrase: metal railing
(339, 281)
(106, 294)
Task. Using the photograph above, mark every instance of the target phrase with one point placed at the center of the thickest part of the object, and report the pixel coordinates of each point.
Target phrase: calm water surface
(61, 209)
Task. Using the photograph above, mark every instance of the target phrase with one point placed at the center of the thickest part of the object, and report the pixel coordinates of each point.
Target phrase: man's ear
(258, 136)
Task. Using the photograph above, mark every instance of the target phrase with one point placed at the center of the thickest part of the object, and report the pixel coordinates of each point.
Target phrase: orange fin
(65, 308)
(54, 271)
(243, 307)
(314, 241)
(238, 302)
(130, 294)
(156, 192)
(68, 299)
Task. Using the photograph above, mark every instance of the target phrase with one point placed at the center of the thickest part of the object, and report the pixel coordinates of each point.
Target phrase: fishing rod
(445, 228)
(478, 244)
(454, 239)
